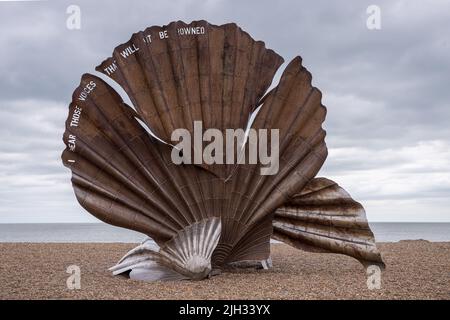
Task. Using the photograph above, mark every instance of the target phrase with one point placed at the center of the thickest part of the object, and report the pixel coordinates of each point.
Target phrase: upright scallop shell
(182, 73)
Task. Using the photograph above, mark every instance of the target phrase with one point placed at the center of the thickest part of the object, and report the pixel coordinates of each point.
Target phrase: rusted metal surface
(178, 74)
(323, 217)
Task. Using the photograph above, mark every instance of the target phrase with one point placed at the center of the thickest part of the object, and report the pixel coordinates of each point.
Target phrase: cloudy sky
(387, 93)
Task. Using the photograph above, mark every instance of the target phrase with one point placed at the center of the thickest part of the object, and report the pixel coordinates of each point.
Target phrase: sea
(101, 232)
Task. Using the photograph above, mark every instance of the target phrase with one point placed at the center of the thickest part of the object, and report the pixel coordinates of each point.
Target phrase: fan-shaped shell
(186, 256)
(175, 75)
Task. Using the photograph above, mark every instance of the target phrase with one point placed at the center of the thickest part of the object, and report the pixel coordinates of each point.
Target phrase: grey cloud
(385, 90)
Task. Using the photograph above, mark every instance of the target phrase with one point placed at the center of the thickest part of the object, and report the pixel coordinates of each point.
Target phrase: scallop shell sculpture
(204, 217)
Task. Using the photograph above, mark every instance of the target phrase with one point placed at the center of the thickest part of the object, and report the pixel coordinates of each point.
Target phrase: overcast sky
(387, 92)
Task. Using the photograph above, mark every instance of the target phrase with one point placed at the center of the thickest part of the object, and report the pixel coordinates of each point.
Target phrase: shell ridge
(117, 172)
(254, 168)
(289, 77)
(343, 232)
(150, 58)
(160, 107)
(204, 111)
(240, 149)
(183, 91)
(100, 190)
(126, 85)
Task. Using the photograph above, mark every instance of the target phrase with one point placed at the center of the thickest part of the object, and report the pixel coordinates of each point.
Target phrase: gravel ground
(415, 270)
